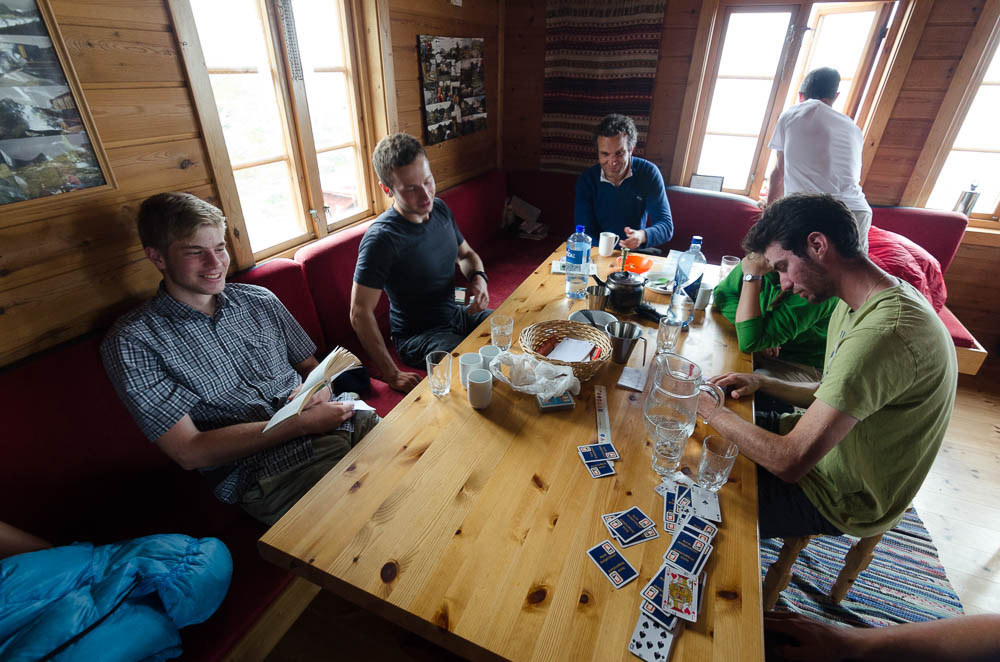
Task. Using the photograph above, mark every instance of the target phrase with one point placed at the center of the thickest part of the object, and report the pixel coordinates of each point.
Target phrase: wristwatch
(751, 277)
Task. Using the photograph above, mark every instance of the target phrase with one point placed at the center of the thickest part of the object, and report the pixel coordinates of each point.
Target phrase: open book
(336, 362)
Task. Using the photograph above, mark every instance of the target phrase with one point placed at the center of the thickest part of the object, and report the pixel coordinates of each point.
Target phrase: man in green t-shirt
(852, 462)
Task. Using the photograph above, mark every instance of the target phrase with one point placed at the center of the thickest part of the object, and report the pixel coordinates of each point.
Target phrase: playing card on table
(706, 530)
(705, 504)
(600, 469)
(612, 563)
(653, 591)
(680, 595)
(682, 503)
(669, 499)
(645, 536)
(651, 641)
(705, 553)
(631, 523)
(647, 608)
(664, 487)
(684, 551)
(606, 518)
(595, 452)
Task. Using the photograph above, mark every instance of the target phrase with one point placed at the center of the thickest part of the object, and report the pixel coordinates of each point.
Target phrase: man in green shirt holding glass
(873, 423)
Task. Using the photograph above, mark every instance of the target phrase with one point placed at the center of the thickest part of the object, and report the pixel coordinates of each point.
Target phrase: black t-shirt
(415, 264)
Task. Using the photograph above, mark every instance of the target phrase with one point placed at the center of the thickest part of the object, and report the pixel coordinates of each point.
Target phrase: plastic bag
(529, 375)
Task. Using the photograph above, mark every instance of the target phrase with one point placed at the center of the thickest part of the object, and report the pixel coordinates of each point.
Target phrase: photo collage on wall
(44, 147)
(454, 93)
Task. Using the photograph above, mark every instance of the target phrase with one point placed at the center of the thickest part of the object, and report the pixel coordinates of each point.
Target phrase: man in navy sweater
(622, 193)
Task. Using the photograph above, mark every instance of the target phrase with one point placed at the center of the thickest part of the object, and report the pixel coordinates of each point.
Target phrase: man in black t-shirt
(410, 251)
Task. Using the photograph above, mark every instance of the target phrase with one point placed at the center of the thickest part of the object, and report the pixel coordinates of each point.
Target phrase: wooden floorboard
(959, 503)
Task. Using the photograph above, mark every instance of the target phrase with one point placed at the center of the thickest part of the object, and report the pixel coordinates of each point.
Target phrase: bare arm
(363, 302)
(958, 639)
(749, 306)
(741, 384)
(469, 263)
(192, 448)
(776, 182)
(14, 541)
(789, 457)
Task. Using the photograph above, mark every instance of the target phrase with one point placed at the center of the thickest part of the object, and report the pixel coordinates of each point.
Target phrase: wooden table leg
(780, 572)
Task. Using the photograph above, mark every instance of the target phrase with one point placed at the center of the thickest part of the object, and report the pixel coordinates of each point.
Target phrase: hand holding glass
(501, 331)
(717, 458)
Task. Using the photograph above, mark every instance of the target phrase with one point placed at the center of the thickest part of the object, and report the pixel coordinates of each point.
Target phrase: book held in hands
(336, 362)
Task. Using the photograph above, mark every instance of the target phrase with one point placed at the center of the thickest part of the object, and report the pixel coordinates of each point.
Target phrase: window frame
(966, 82)
(871, 69)
(371, 89)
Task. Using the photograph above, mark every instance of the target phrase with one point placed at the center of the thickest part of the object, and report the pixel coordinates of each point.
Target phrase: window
(750, 78)
(974, 157)
(283, 79)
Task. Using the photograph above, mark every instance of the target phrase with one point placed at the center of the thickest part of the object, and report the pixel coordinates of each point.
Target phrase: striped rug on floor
(600, 58)
(904, 583)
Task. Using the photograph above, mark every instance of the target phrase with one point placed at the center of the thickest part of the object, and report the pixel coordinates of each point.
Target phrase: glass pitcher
(670, 408)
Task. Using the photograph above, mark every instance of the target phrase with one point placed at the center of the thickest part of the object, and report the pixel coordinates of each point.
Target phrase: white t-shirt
(822, 151)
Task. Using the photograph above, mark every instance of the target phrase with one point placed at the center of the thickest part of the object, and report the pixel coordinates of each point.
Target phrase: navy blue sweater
(639, 202)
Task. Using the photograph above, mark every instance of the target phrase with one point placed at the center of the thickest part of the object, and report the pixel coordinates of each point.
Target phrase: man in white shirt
(819, 149)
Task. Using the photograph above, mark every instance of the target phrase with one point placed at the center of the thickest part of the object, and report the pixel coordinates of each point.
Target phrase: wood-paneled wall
(942, 44)
(456, 160)
(71, 263)
(523, 83)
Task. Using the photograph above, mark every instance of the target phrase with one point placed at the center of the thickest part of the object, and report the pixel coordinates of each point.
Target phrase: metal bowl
(596, 318)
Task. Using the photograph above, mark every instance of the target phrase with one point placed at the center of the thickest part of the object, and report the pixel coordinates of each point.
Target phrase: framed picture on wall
(48, 144)
(453, 89)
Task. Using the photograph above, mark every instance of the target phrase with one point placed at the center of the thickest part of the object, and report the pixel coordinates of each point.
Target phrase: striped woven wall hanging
(600, 58)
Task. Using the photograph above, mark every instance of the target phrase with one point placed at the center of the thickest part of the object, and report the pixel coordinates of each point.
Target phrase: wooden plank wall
(948, 29)
(68, 264)
(459, 159)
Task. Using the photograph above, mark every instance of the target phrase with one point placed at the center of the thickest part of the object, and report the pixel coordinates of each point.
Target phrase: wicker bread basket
(532, 337)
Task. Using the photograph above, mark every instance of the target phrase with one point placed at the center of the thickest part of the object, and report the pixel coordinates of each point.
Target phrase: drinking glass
(668, 436)
(729, 263)
(501, 331)
(717, 458)
(667, 335)
(439, 372)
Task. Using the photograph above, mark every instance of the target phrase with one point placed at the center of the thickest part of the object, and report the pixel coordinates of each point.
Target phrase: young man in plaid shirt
(205, 364)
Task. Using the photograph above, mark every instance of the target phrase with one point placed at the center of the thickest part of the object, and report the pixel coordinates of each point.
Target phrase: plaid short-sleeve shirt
(166, 360)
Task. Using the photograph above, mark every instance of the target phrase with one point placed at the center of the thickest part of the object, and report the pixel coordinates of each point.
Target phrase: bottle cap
(579, 229)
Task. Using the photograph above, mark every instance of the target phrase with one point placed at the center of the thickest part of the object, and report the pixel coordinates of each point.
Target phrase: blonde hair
(168, 217)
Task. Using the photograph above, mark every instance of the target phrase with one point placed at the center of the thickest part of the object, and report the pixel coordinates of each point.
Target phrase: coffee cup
(487, 353)
(466, 364)
(480, 389)
(606, 243)
(704, 296)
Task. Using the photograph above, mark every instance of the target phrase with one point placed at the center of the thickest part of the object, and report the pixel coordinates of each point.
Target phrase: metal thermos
(967, 200)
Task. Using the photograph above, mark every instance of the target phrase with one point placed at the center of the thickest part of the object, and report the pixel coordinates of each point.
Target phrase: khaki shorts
(272, 497)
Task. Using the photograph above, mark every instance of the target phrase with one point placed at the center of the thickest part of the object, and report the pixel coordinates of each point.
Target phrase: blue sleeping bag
(116, 602)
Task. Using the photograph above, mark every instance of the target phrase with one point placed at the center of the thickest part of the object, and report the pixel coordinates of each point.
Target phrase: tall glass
(439, 372)
(667, 334)
(669, 427)
(717, 458)
(729, 263)
(501, 330)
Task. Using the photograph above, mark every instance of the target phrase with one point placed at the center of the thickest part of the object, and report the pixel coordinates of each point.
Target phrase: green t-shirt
(795, 325)
(891, 365)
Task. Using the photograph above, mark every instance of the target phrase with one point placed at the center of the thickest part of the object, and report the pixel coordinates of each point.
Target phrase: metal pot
(626, 291)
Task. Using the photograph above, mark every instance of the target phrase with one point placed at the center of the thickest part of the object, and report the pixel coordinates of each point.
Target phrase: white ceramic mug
(480, 388)
(607, 243)
(466, 364)
(704, 296)
(487, 353)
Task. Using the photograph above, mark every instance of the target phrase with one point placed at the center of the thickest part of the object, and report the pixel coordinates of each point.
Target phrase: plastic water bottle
(687, 282)
(577, 264)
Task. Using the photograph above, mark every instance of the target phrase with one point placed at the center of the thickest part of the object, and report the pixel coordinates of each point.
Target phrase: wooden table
(470, 527)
